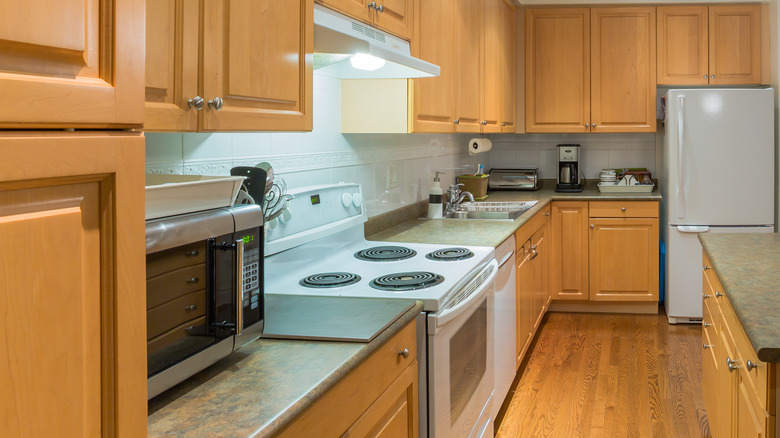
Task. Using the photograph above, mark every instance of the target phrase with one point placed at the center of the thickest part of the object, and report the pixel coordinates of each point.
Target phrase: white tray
(640, 188)
(167, 195)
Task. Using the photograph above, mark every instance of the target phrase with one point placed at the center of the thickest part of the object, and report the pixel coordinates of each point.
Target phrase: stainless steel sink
(491, 210)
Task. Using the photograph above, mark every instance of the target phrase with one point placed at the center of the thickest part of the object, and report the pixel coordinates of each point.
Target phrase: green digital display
(249, 238)
(315, 199)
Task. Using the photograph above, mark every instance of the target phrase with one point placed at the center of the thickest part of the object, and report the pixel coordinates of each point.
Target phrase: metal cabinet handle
(623, 209)
(189, 329)
(380, 9)
(705, 76)
(712, 77)
(750, 365)
(592, 226)
(193, 280)
(484, 122)
(372, 5)
(706, 296)
(706, 267)
(706, 324)
(404, 353)
(731, 364)
(190, 308)
(706, 346)
(193, 253)
(587, 125)
(457, 121)
(196, 102)
(216, 103)
(503, 124)
(547, 214)
(534, 252)
(718, 294)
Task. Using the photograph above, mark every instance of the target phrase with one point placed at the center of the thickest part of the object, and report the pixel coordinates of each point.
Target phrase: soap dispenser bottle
(435, 198)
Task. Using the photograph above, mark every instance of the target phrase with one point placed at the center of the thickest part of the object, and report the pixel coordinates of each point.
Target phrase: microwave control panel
(252, 276)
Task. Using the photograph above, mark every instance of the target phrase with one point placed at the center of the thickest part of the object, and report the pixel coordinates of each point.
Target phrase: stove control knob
(285, 216)
(357, 200)
(346, 199)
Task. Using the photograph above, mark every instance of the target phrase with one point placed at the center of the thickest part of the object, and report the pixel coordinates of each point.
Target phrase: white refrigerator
(718, 177)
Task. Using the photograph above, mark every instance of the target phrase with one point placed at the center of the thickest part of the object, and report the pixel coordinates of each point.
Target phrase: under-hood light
(364, 61)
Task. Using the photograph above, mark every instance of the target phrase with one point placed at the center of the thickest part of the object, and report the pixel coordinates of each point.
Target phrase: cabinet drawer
(174, 284)
(171, 259)
(710, 306)
(343, 404)
(528, 229)
(174, 335)
(178, 311)
(623, 209)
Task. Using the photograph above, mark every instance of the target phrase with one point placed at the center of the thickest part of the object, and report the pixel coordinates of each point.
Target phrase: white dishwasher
(505, 323)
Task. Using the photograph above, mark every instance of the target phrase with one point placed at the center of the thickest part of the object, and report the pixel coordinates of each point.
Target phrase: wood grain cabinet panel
(569, 250)
(683, 45)
(396, 17)
(72, 356)
(171, 65)
(735, 44)
(71, 63)
(508, 68)
(468, 69)
(433, 103)
(623, 69)
(623, 259)
(492, 50)
(358, 9)
(524, 301)
(557, 70)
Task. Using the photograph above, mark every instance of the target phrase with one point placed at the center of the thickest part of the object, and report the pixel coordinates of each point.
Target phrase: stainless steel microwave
(204, 290)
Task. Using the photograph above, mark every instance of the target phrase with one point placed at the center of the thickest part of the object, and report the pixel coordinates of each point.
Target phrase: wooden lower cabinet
(72, 340)
(569, 250)
(740, 401)
(379, 398)
(533, 292)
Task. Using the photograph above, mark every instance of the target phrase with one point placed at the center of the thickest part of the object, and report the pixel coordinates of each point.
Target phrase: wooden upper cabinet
(468, 69)
(172, 65)
(433, 103)
(623, 87)
(683, 45)
(256, 58)
(393, 16)
(557, 70)
(735, 44)
(492, 51)
(71, 63)
(508, 68)
(396, 17)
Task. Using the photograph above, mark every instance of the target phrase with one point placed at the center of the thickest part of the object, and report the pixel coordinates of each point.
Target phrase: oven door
(460, 352)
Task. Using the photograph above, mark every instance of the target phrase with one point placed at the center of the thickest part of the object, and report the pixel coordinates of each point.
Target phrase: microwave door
(250, 258)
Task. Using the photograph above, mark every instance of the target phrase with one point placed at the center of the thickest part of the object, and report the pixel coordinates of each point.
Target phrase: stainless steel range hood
(338, 38)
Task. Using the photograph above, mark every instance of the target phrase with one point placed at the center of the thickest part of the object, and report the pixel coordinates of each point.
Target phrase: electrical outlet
(392, 176)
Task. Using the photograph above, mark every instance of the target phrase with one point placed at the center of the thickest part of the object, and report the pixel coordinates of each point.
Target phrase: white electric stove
(317, 248)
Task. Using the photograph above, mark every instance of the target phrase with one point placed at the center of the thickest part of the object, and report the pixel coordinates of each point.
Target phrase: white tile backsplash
(326, 156)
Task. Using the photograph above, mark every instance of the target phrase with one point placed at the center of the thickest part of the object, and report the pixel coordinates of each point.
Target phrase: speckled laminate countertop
(748, 266)
(493, 232)
(261, 388)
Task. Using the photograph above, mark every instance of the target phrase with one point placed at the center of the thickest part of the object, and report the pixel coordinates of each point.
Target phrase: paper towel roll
(479, 145)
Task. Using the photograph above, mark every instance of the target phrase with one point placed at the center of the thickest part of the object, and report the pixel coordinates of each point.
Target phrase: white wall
(322, 156)
(598, 151)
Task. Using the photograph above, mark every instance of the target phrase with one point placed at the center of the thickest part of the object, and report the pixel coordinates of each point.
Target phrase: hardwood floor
(601, 375)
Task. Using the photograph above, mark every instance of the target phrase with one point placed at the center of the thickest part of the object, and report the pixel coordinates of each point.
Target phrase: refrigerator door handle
(680, 158)
(692, 229)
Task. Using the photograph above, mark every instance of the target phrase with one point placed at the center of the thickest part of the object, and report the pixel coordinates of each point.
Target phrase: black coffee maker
(569, 169)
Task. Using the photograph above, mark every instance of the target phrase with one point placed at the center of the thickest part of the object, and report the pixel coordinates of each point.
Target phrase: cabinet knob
(718, 294)
(457, 121)
(706, 346)
(731, 364)
(712, 77)
(706, 296)
(503, 124)
(484, 122)
(705, 267)
(624, 208)
(196, 102)
(404, 353)
(705, 76)
(193, 253)
(547, 214)
(193, 280)
(750, 365)
(587, 125)
(592, 226)
(380, 9)
(705, 324)
(190, 308)
(216, 103)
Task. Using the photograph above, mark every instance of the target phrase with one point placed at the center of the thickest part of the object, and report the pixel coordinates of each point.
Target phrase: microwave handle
(239, 286)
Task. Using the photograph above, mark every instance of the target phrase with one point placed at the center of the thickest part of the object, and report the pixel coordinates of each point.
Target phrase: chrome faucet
(454, 197)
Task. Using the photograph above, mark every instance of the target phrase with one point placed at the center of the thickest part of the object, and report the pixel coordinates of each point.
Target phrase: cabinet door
(683, 52)
(468, 70)
(434, 102)
(750, 422)
(524, 301)
(569, 250)
(727, 384)
(396, 17)
(557, 70)
(358, 9)
(624, 259)
(71, 63)
(72, 347)
(394, 413)
(492, 50)
(268, 89)
(539, 277)
(623, 87)
(508, 67)
(171, 65)
(735, 44)
(709, 382)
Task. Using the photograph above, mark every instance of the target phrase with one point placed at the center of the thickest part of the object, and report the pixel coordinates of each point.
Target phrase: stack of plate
(608, 177)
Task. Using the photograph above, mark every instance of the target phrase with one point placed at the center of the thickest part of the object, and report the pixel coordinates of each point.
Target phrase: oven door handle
(486, 285)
